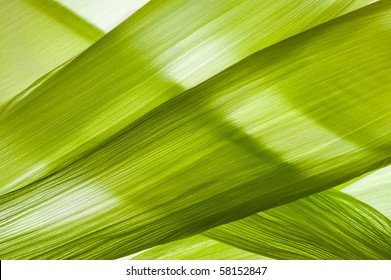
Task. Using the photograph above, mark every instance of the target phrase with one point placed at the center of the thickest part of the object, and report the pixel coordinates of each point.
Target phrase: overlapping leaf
(328, 225)
(37, 36)
(218, 152)
(375, 190)
(40, 35)
(105, 14)
(196, 248)
(152, 56)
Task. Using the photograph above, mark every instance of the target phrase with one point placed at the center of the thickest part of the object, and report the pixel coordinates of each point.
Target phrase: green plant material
(26, 27)
(151, 57)
(235, 145)
(375, 190)
(327, 225)
(293, 230)
(197, 247)
(104, 13)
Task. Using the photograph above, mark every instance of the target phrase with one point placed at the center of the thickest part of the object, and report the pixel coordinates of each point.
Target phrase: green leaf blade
(327, 225)
(374, 190)
(141, 64)
(209, 156)
(35, 39)
(197, 247)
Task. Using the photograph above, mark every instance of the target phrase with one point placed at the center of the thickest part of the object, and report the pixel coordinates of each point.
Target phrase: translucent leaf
(375, 190)
(106, 14)
(327, 225)
(235, 145)
(37, 36)
(156, 54)
(197, 247)
(323, 226)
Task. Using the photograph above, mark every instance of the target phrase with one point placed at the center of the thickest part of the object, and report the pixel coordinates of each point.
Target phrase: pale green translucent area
(197, 247)
(348, 183)
(375, 190)
(37, 36)
(165, 48)
(106, 14)
(327, 225)
(298, 104)
(195, 162)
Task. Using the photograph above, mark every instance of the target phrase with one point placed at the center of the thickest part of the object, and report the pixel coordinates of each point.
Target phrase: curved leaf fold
(327, 225)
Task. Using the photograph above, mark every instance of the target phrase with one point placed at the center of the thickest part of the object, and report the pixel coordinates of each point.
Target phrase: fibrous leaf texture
(225, 118)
